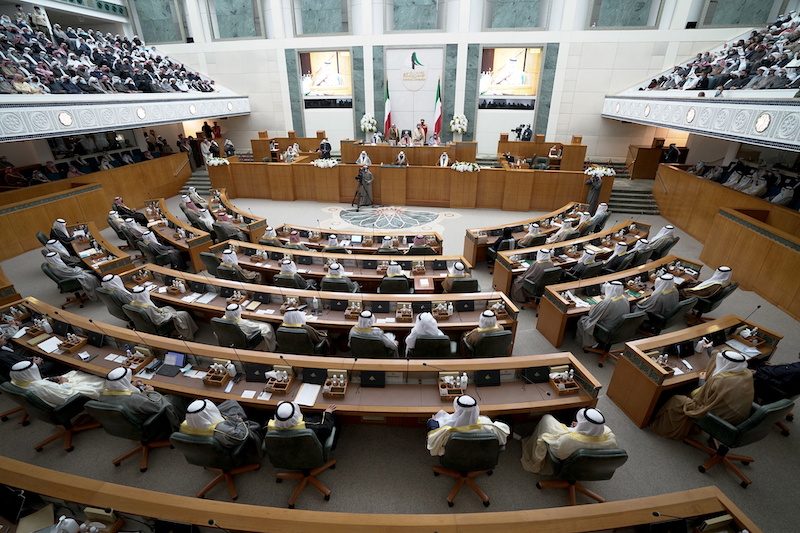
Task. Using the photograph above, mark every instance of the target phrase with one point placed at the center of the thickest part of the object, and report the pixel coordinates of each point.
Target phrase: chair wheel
(486, 503)
(38, 449)
(278, 480)
(4, 418)
(143, 469)
(291, 506)
(171, 447)
(234, 498)
(81, 306)
(327, 497)
(785, 432)
(116, 464)
(69, 449)
(538, 485)
(745, 463)
(701, 469)
(490, 472)
(28, 423)
(436, 474)
(789, 417)
(744, 484)
(333, 466)
(450, 504)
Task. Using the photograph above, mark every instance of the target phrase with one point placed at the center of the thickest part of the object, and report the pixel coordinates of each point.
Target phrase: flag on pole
(437, 110)
(387, 112)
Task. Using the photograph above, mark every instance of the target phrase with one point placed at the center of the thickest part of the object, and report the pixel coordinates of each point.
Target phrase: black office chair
(601, 222)
(67, 286)
(336, 285)
(300, 452)
(150, 257)
(725, 435)
(540, 163)
(706, 305)
(142, 322)
(623, 331)
(493, 344)
(593, 270)
(226, 272)
(65, 417)
(491, 253)
(466, 456)
(211, 262)
(206, 451)
(230, 335)
(421, 250)
(4, 416)
(777, 382)
(461, 285)
(641, 257)
(538, 240)
(42, 238)
(289, 282)
(664, 248)
(369, 347)
(388, 251)
(534, 291)
(297, 341)
(226, 232)
(433, 347)
(583, 465)
(396, 285)
(656, 323)
(113, 307)
(335, 250)
(153, 433)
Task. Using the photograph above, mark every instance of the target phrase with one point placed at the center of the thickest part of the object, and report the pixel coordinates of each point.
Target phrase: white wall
(413, 100)
(493, 122)
(337, 123)
(26, 153)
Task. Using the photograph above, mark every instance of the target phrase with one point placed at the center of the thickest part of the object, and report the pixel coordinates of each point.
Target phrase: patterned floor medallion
(388, 218)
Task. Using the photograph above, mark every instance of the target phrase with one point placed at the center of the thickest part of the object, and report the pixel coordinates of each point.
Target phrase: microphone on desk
(752, 312)
(213, 523)
(660, 515)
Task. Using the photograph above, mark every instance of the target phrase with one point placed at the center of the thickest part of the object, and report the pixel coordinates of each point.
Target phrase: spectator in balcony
(52, 172)
(22, 86)
(73, 172)
(6, 87)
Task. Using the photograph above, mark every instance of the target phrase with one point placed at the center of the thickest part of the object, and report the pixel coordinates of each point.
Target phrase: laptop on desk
(173, 362)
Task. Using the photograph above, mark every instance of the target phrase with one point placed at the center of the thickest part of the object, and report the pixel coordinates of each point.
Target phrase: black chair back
(294, 449)
(64, 285)
(494, 344)
(211, 262)
(42, 238)
(206, 451)
(601, 222)
(395, 285)
(286, 281)
(464, 285)
(431, 347)
(684, 307)
(760, 422)
(226, 272)
(665, 247)
(116, 421)
(334, 285)
(113, 307)
(367, 346)
(142, 322)
(230, 335)
(591, 271)
(706, 305)
(590, 465)
(471, 451)
(294, 341)
(624, 330)
(421, 250)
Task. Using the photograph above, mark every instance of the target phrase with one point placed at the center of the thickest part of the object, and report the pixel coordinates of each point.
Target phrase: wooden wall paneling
(777, 279)
(222, 177)
(605, 189)
(12, 231)
(252, 180)
(416, 155)
(326, 183)
(573, 157)
(428, 186)
(517, 193)
(466, 151)
(389, 187)
(440, 184)
(491, 188)
(260, 149)
(26, 193)
(464, 188)
(347, 182)
(281, 182)
(303, 182)
(784, 219)
(545, 186)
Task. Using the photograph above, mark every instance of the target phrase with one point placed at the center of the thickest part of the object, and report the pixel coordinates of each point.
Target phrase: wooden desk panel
(253, 226)
(435, 239)
(8, 293)
(518, 189)
(121, 261)
(572, 156)
(416, 155)
(197, 241)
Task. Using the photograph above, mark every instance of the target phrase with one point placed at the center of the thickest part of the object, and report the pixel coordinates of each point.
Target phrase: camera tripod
(361, 198)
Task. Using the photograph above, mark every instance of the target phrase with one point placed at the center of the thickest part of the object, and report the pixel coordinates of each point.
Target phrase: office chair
(224, 233)
(42, 238)
(300, 452)
(206, 451)
(541, 163)
(150, 257)
(461, 285)
(583, 465)
(151, 434)
(336, 285)
(433, 347)
(290, 281)
(535, 290)
(641, 257)
(297, 341)
(656, 323)
(114, 308)
(142, 322)
(538, 240)
(211, 262)
(620, 263)
(230, 335)
(67, 286)
(664, 248)
(624, 330)
(466, 456)
(64, 417)
(388, 251)
(725, 435)
(491, 253)
(335, 250)
(396, 285)
(601, 222)
(367, 346)
(706, 305)
(421, 250)
(591, 271)
(493, 344)
(226, 272)
(776, 382)
(4, 416)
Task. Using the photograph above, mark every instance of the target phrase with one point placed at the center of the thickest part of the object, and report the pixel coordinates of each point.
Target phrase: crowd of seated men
(768, 59)
(78, 61)
(776, 184)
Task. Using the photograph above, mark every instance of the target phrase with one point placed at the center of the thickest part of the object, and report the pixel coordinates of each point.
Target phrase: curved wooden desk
(477, 240)
(103, 259)
(192, 244)
(411, 389)
(243, 517)
(556, 310)
(639, 383)
(369, 241)
(506, 268)
(468, 306)
(358, 267)
(8, 293)
(250, 224)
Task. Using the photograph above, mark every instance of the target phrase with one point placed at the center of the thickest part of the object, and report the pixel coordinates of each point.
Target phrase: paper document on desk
(424, 282)
(307, 395)
(679, 281)
(206, 298)
(748, 351)
(578, 301)
(86, 253)
(20, 333)
(50, 345)
(191, 297)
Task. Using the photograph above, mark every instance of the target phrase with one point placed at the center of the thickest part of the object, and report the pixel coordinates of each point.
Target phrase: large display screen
(326, 74)
(510, 71)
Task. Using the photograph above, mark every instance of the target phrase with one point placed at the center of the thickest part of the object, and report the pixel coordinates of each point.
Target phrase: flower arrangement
(463, 166)
(325, 163)
(458, 124)
(217, 161)
(368, 123)
(597, 171)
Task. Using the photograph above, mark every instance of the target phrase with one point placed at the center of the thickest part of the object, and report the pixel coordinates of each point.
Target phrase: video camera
(518, 131)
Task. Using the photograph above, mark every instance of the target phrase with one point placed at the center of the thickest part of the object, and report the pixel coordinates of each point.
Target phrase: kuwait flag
(387, 111)
(437, 109)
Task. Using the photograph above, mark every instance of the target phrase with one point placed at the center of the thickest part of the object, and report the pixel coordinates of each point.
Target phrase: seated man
(387, 248)
(584, 222)
(289, 416)
(289, 271)
(664, 299)
(394, 270)
(466, 417)
(227, 422)
(186, 203)
(230, 260)
(335, 272)
(457, 272)
(270, 238)
(608, 313)
(139, 401)
(708, 288)
(183, 321)
(487, 323)
(641, 244)
(602, 209)
(363, 159)
(588, 431)
(728, 393)
(251, 328)
(116, 287)
(333, 245)
(196, 199)
(63, 272)
(53, 245)
(55, 391)
(294, 241)
(135, 229)
(425, 325)
(176, 259)
(60, 232)
(401, 159)
(126, 212)
(663, 235)
(528, 239)
(366, 327)
(613, 262)
(11, 354)
(203, 218)
(294, 318)
(586, 260)
(565, 231)
(533, 274)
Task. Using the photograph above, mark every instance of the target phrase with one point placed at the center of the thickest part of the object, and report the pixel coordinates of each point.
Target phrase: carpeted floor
(387, 469)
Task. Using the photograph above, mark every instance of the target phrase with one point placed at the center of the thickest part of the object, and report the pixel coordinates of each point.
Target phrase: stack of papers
(207, 297)
(578, 302)
(191, 297)
(50, 345)
(114, 358)
(20, 333)
(748, 351)
(195, 374)
(265, 312)
(307, 395)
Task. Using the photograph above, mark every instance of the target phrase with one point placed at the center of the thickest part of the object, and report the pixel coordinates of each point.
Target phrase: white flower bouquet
(217, 161)
(325, 163)
(463, 166)
(597, 171)
(368, 123)
(458, 124)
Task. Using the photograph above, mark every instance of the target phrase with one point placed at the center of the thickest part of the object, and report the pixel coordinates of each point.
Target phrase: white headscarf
(205, 216)
(363, 159)
(458, 269)
(270, 233)
(613, 289)
(401, 157)
(141, 296)
(55, 246)
(587, 257)
(641, 244)
(335, 270)
(150, 237)
(394, 269)
(184, 198)
(233, 312)
(287, 415)
(61, 225)
(288, 267)
(444, 160)
(229, 257)
(365, 320)
(533, 229)
(590, 422)
(729, 361)
(601, 209)
(487, 320)
(202, 414)
(119, 379)
(721, 275)
(196, 198)
(24, 372)
(585, 216)
(332, 240)
(666, 231)
(293, 317)
(543, 255)
(619, 249)
(112, 281)
(465, 413)
(387, 242)
(664, 284)
(54, 259)
(425, 325)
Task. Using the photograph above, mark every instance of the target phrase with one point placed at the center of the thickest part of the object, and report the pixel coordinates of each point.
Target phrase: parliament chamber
(401, 265)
